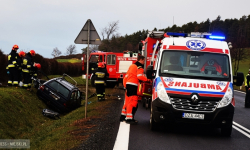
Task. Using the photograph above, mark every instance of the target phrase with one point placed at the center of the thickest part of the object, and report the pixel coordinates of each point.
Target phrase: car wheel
(226, 131)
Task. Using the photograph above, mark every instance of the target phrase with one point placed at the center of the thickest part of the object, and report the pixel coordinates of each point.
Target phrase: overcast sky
(42, 25)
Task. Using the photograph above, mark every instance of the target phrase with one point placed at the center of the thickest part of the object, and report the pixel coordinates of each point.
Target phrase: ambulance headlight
(162, 94)
(227, 99)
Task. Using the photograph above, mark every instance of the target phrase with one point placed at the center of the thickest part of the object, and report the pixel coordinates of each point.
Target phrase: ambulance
(192, 79)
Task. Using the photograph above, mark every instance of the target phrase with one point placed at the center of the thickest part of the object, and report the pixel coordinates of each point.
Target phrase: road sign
(88, 35)
(82, 37)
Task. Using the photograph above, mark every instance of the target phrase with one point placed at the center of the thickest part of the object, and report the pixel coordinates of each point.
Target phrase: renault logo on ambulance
(196, 45)
(194, 98)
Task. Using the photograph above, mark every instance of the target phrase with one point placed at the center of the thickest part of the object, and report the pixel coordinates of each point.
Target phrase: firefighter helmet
(21, 54)
(32, 52)
(15, 47)
(37, 65)
(101, 65)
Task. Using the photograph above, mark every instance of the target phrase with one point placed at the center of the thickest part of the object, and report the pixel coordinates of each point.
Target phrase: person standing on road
(134, 74)
(101, 74)
(124, 112)
(27, 66)
(247, 86)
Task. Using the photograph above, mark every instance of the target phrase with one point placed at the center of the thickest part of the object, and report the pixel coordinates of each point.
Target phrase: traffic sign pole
(87, 79)
(88, 35)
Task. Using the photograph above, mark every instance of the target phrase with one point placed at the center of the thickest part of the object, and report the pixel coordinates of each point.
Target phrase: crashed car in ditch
(60, 94)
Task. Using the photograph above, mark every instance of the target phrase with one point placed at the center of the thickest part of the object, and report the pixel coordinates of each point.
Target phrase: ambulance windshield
(195, 65)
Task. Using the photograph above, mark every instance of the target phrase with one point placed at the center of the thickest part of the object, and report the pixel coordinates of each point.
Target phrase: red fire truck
(116, 63)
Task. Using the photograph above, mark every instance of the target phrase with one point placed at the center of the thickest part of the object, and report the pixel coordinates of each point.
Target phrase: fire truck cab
(117, 65)
(192, 79)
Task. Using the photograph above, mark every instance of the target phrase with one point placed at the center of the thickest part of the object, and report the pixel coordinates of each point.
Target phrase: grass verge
(74, 60)
(21, 118)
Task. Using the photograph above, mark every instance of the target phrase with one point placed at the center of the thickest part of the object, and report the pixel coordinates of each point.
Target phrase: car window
(75, 95)
(59, 88)
(78, 94)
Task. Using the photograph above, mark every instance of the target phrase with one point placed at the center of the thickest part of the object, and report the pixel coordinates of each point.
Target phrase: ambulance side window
(111, 59)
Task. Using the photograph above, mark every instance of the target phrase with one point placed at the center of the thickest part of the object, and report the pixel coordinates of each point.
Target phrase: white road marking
(241, 131)
(240, 91)
(241, 127)
(122, 139)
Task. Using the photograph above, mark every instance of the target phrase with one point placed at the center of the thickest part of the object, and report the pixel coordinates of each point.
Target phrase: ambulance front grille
(187, 105)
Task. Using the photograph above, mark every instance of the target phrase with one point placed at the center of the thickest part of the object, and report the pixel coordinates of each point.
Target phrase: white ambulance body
(193, 82)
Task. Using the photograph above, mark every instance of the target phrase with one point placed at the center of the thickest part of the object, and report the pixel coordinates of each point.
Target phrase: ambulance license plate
(193, 116)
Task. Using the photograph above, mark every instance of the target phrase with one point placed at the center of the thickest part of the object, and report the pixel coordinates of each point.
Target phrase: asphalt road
(139, 137)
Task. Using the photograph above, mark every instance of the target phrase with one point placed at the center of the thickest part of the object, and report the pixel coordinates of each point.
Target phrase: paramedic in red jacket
(134, 74)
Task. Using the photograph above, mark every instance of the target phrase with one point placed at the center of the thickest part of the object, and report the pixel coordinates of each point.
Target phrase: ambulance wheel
(226, 131)
(93, 81)
(153, 124)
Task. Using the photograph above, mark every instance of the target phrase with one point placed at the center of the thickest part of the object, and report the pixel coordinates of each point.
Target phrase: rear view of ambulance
(193, 81)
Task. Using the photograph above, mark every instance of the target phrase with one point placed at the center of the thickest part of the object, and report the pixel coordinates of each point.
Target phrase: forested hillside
(236, 31)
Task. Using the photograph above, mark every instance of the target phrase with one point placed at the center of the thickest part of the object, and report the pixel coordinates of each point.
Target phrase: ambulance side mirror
(150, 72)
(239, 79)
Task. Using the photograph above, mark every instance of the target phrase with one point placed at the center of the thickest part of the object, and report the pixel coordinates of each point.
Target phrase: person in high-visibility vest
(124, 112)
(27, 67)
(101, 74)
(134, 74)
(247, 86)
(20, 57)
(12, 67)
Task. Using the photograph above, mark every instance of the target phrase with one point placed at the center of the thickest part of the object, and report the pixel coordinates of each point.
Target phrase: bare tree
(110, 30)
(71, 50)
(56, 52)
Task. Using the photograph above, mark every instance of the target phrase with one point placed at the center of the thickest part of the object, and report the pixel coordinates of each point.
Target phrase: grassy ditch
(21, 118)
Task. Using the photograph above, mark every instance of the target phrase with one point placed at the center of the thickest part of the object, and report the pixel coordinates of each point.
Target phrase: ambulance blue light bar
(217, 37)
(176, 34)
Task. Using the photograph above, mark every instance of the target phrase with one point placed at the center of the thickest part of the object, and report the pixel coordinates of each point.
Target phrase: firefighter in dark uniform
(27, 66)
(101, 75)
(20, 57)
(247, 86)
(35, 70)
(12, 67)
